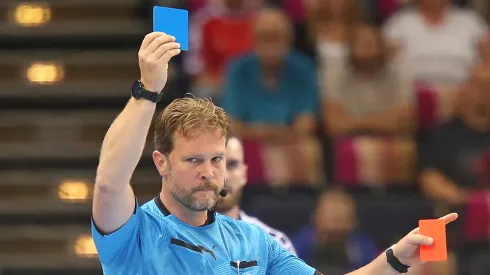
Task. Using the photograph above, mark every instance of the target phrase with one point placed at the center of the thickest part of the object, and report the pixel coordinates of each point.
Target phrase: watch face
(136, 89)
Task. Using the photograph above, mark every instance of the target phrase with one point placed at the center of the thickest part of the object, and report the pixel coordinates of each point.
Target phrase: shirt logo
(195, 248)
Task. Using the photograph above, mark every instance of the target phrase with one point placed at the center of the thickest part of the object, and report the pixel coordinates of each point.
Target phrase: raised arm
(123, 145)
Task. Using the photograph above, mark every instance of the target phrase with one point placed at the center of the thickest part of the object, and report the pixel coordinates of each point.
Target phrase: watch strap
(138, 91)
(151, 96)
(395, 263)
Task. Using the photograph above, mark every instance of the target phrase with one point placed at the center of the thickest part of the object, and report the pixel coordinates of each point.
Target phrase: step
(94, 74)
(70, 19)
(47, 247)
(56, 134)
(61, 192)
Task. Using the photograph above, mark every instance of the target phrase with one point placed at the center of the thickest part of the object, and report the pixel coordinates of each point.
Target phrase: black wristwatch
(395, 263)
(138, 91)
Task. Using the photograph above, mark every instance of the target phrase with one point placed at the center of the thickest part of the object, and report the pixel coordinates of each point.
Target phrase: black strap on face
(395, 263)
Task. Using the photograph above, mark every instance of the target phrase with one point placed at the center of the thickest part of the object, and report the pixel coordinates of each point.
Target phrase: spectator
(218, 32)
(454, 161)
(329, 22)
(333, 242)
(271, 93)
(236, 179)
(371, 93)
(441, 42)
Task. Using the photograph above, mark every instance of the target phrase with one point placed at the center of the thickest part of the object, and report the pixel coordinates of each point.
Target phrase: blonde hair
(185, 115)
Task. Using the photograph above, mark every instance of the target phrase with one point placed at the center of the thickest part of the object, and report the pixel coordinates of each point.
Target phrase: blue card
(173, 22)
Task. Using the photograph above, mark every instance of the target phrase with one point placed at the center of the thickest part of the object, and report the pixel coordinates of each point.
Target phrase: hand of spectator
(156, 51)
(407, 249)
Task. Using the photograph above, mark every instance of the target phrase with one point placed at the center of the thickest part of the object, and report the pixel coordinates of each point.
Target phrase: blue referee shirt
(155, 242)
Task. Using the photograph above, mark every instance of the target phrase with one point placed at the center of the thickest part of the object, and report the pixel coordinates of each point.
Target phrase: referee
(178, 232)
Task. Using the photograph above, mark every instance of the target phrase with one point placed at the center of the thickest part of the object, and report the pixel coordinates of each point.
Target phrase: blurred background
(359, 117)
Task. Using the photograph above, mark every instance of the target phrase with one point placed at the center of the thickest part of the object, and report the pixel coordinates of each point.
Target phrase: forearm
(438, 187)
(396, 120)
(121, 151)
(124, 143)
(261, 132)
(393, 121)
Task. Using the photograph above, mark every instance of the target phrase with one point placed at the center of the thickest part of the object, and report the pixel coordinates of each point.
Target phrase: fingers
(417, 239)
(169, 54)
(157, 42)
(449, 218)
(163, 49)
(149, 38)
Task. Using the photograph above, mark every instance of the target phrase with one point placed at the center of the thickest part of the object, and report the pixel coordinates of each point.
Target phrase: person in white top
(442, 43)
(236, 178)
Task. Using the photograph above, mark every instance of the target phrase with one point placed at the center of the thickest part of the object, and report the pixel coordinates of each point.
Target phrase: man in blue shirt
(271, 93)
(178, 232)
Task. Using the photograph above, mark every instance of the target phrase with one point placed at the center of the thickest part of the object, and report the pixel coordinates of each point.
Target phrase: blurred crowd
(356, 95)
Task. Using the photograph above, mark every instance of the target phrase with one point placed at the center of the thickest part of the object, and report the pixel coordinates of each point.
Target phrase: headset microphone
(223, 192)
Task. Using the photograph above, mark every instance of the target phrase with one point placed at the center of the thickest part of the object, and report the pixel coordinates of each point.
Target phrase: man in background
(236, 178)
(271, 93)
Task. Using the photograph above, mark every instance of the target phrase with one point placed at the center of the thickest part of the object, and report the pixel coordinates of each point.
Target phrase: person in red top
(225, 37)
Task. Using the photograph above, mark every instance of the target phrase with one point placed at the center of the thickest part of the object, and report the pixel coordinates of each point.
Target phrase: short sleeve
(121, 246)
(393, 28)
(231, 98)
(282, 262)
(476, 26)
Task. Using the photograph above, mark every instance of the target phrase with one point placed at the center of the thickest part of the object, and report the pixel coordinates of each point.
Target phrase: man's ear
(160, 161)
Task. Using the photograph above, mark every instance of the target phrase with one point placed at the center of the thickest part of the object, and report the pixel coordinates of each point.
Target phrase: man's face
(195, 169)
(335, 217)
(236, 175)
(234, 4)
(272, 39)
(434, 4)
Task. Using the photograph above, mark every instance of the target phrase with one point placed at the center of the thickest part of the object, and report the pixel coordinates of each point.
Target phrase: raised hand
(156, 51)
(407, 249)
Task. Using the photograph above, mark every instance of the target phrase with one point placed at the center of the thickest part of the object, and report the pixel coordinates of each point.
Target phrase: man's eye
(217, 159)
(193, 160)
(232, 164)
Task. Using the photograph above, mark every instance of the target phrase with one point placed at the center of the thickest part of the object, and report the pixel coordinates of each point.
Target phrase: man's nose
(207, 171)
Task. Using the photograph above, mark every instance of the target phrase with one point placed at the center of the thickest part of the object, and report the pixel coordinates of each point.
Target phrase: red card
(435, 229)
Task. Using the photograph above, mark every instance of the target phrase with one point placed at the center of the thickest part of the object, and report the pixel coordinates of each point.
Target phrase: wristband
(395, 263)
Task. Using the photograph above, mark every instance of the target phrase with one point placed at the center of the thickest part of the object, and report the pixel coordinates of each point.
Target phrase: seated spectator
(441, 42)
(328, 25)
(332, 242)
(218, 32)
(454, 161)
(371, 93)
(455, 168)
(271, 93)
